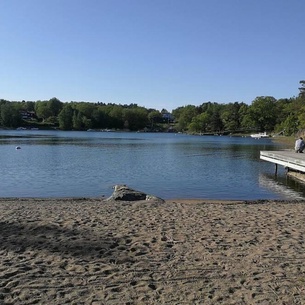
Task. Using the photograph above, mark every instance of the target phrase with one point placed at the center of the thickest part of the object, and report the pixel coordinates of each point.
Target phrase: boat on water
(260, 135)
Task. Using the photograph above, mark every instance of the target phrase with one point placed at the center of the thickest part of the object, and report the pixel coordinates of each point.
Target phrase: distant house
(28, 115)
(168, 117)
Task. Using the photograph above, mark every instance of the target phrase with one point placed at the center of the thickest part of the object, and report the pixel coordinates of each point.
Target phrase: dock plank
(287, 158)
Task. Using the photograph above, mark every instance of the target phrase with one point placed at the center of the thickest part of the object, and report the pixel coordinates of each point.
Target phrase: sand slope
(88, 251)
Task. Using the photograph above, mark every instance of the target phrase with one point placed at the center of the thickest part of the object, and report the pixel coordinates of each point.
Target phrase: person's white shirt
(299, 145)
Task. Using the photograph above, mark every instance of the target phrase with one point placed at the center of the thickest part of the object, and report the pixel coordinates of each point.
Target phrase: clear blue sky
(156, 53)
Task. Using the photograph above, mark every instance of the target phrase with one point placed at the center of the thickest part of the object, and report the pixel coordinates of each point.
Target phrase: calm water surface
(88, 164)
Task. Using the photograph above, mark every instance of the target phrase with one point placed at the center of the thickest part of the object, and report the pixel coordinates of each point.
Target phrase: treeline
(283, 116)
(80, 115)
(265, 113)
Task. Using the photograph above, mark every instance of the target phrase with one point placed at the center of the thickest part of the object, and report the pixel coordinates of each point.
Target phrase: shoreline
(103, 200)
(181, 251)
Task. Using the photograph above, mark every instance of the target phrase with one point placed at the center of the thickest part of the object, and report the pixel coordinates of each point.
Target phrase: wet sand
(90, 251)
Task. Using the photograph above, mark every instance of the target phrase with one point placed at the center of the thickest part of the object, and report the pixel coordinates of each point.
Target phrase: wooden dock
(292, 161)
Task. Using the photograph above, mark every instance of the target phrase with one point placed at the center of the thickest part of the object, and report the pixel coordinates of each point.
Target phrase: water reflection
(284, 186)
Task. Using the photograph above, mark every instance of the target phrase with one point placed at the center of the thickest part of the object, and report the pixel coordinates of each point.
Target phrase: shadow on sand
(57, 240)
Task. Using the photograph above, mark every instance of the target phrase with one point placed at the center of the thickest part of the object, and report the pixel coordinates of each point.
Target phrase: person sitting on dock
(299, 145)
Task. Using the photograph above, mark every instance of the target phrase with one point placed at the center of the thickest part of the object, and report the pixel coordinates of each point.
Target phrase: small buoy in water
(18, 147)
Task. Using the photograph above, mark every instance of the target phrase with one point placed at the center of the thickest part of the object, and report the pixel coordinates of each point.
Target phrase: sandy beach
(92, 251)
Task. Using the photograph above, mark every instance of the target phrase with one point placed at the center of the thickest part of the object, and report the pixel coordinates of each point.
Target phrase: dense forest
(281, 116)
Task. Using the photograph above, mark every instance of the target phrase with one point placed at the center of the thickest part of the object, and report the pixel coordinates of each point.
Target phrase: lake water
(88, 164)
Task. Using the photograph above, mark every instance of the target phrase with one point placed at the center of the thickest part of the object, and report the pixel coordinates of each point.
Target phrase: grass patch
(286, 141)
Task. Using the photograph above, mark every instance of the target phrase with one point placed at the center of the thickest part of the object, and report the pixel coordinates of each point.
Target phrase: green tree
(199, 123)
(263, 113)
(10, 115)
(154, 117)
(230, 117)
(213, 111)
(302, 88)
(54, 106)
(100, 118)
(65, 118)
(85, 108)
(28, 106)
(135, 118)
(184, 116)
(246, 123)
(77, 120)
(115, 116)
(289, 126)
(215, 119)
(42, 110)
(87, 123)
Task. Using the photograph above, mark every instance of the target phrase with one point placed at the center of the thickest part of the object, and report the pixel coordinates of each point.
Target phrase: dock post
(275, 168)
